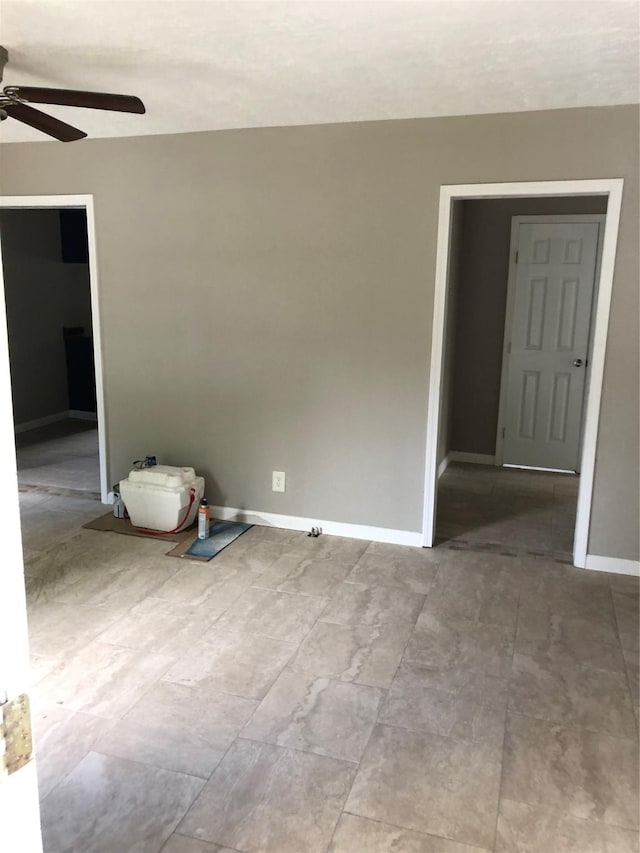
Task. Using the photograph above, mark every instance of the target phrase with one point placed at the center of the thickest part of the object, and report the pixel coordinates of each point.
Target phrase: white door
(547, 351)
(19, 812)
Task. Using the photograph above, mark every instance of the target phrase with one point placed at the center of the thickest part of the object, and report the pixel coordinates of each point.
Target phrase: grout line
(462, 844)
(624, 660)
(506, 717)
(545, 807)
(572, 727)
(377, 719)
(287, 746)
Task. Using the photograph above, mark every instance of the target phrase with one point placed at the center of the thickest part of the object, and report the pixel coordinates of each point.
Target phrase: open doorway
(48, 268)
(480, 501)
(50, 330)
(521, 297)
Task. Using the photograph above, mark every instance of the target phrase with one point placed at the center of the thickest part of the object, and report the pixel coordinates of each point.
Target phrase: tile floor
(301, 695)
(507, 510)
(61, 457)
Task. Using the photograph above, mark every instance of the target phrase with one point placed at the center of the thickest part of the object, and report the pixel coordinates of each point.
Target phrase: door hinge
(503, 431)
(517, 255)
(15, 730)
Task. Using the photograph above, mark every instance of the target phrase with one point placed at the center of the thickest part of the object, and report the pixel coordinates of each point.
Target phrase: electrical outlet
(277, 481)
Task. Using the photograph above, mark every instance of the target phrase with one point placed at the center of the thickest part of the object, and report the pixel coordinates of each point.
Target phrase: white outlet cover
(278, 481)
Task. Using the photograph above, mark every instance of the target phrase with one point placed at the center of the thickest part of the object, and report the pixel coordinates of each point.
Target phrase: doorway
(50, 281)
(605, 192)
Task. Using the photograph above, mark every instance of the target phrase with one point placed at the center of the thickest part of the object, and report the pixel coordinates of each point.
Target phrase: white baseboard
(444, 464)
(333, 528)
(615, 565)
(477, 458)
(41, 422)
(83, 416)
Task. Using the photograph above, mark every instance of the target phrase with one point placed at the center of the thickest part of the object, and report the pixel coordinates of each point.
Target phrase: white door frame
(19, 809)
(84, 202)
(611, 188)
(516, 222)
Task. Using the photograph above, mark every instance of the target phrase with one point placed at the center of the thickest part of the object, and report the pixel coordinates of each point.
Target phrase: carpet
(222, 533)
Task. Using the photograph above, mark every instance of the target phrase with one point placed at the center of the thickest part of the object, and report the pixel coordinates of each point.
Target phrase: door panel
(549, 331)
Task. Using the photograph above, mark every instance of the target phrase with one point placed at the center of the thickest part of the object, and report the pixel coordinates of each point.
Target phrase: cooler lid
(163, 475)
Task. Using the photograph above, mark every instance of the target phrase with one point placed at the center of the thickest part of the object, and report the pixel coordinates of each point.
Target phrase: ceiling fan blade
(76, 98)
(41, 121)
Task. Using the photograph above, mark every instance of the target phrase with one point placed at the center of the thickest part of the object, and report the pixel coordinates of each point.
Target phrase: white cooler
(158, 497)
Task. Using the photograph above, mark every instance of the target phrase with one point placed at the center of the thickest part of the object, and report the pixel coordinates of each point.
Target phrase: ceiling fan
(14, 103)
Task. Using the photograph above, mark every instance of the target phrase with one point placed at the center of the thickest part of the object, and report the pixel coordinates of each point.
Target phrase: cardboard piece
(111, 524)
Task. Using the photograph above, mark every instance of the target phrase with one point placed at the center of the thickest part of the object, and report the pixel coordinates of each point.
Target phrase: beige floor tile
(347, 551)
(42, 529)
(102, 680)
(317, 715)
(585, 774)
(305, 575)
(523, 482)
(213, 586)
(359, 835)
(183, 844)
(632, 662)
(475, 590)
(629, 584)
(30, 498)
(454, 482)
(117, 590)
(89, 551)
(513, 532)
(65, 471)
(531, 829)
(186, 729)
(594, 699)
(444, 642)
(243, 664)
(445, 704)
(108, 804)
(627, 610)
(90, 507)
(361, 654)
(520, 511)
(160, 626)
(62, 739)
(269, 799)
(263, 535)
(567, 591)
(429, 783)
(256, 558)
(454, 703)
(60, 630)
(562, 534)
(279, 615)
(560, 640)
(376, 607)
(411, 569)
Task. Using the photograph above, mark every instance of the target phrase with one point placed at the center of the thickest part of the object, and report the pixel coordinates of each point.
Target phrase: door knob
(577, 362)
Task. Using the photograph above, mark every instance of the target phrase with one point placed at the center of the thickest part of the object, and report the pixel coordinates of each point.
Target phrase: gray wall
(42, 295)
(266, 299)
(482, 298)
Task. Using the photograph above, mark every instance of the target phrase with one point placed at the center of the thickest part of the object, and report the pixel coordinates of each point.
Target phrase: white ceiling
(211, 65)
